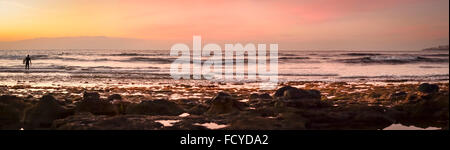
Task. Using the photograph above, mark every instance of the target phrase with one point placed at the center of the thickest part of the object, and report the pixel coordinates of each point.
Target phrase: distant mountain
(439, 48)
(94, 42)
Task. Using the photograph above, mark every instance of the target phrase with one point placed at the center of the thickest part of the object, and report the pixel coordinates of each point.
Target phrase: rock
(265, 96)
(428, 88)
(11, 112)
(280, 91)
(219, 95)
(398, 96)
(224, 103)
(256, 96)
(114, 97)
(87, 121)
(9, 117)
(92, 103)
(253, 96)
(292, 93)
(156, 107)
(91, 96)
(198, 110)
(293, 97)
(350, 117)
(434, 108)
(254, 123)
(44, 113)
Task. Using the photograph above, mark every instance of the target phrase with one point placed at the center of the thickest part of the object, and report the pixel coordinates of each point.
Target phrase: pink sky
(293, 24)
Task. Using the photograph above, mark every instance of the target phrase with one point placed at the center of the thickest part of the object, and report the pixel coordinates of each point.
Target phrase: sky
(293, 24)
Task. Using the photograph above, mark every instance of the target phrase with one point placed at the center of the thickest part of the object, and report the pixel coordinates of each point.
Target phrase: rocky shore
(293, 106)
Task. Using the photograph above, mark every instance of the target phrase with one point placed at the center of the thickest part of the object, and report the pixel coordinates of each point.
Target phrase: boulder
(397, 96)
(198, 110)
(293, 97)
(91, 95)
(265, 96)
(253, 96)
(256, 96)
(114, 97)
(155, 107)
(223, 103)
(87, 121)
(11, 112)
(434, 108)
(292, 93)
(428, 88)
(44, 113)
(92, 103)
(9, 117)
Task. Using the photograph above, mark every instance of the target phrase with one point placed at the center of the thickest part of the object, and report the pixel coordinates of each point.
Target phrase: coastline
(185, 105)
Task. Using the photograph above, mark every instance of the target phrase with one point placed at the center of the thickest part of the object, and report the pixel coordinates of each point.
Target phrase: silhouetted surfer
(27, 62)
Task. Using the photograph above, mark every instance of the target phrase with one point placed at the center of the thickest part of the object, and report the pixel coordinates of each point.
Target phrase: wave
(148, 59)
(437, 55)
(308, 75)
(135, 54)
(293, 58)
(393, 60)
(361, 54)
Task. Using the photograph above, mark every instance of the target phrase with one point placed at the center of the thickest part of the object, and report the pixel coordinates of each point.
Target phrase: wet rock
(9, 117)
(253, 96)
(434, 108)
(428, 88)
(256, 96)
(87, 121)
(92, 103)
(224, 103)
(121, 106)
(398, 96)
(44, 113)
(264, 111)
(114, 97)
(254, 123)
(11, 112)
(293, 97)
(352, 117)
(280, 91)
(156, 107)
(198, 110)
(292, 93)
(91, 95)
(375, 95)
(265, 96)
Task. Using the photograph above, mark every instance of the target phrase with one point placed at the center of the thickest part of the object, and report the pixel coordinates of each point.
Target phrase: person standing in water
(27, 62)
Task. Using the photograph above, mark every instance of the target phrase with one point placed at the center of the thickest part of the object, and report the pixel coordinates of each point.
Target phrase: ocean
(333, 66)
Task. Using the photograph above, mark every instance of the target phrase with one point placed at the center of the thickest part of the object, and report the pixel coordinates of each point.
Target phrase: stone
(224, 103)
(156, 107)
(114, 97)
(292, 93)
(293, 97)
(92, 103)
(87, 121)
(11, 112)
(398, 96)
(253, 96)
(265, 96)
(44, 113)
(198, 110)
(91, 96)
(428, 88)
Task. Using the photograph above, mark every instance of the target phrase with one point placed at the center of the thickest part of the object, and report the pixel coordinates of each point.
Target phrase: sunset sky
(293, 24)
